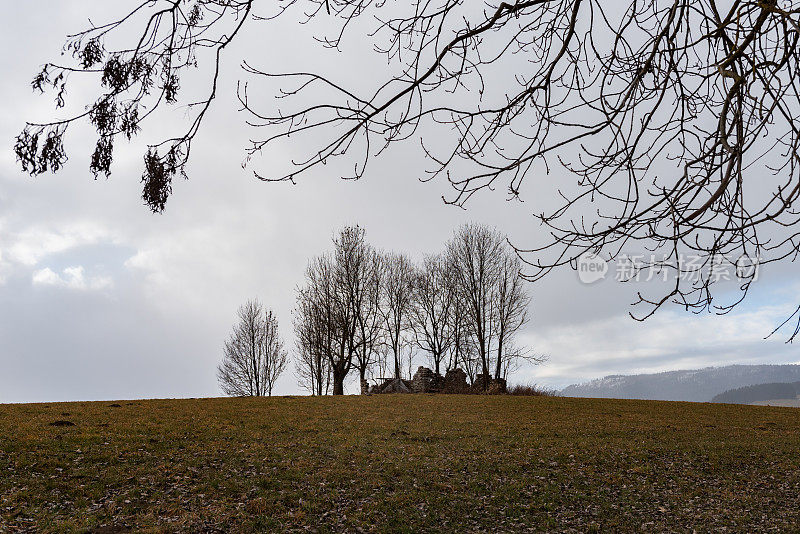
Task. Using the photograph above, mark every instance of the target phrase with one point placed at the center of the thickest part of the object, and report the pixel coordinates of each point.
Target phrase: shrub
(494, 389)
(531, 390)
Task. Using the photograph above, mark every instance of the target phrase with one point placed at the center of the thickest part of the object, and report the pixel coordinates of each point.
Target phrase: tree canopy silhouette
(677, 119)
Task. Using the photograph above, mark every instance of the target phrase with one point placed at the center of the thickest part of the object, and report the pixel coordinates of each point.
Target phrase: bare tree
(384, 363)
(464, 353)
(408, 356)
(398, 293)
(337, 308)
(432, 309)
(276, 358)
(678, 118)
(323, 295)
(462, 350)
(253, 356)
(313, 339)
(512, 310)
(313, 373)
(369, 297)
(490, 297)
(474, 253)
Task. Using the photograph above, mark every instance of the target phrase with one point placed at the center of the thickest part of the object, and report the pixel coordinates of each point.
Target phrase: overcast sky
(100, 299)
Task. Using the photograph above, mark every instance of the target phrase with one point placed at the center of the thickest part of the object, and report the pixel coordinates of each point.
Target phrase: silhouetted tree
(398, 294)
(368, 301)
(313, 338)
(474, 253)
(336, 306)
(432, 309)
(462, 351)
(324, 297)
(253, 356)
(512, 310)
(677, 118)
(490, 296)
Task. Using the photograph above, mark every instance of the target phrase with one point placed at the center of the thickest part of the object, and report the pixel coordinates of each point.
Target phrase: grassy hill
(398, 463)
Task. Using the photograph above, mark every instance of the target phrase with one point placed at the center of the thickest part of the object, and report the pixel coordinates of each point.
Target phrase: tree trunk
(317, 375)
(338, 380)
(397, 365)
(499, 369)
(484, 368)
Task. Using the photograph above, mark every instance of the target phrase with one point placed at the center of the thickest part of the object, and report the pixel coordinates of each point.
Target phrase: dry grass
(405, 463)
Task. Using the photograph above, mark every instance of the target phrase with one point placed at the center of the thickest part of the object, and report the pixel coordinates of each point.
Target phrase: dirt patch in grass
(61, 422)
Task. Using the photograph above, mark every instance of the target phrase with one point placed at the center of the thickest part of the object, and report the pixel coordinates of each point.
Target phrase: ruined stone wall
(455, 381)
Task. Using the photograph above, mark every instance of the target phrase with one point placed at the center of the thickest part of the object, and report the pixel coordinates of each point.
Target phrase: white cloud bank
(71, 278)
(32, 245)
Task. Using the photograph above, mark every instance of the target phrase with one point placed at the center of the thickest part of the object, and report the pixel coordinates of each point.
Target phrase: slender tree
(337, 305)
(324, 296)
(314, 340)
(398, 293)
(490, 294)
(512, 310)
(369, 320)
(462, 351)
(432, 309)
(253, 356)
(474, 253)
(276, 357)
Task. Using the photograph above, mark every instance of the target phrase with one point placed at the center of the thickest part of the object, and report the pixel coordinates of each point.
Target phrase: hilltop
(397, 463)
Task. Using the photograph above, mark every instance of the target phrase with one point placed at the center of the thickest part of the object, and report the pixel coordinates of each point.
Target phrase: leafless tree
(398, 294)
(661, 110)
(512, 310)
(337, 307)
(253, 356)
(313, 338)
(322, 296)
(473, 253)
(490, 295)
(369, 328)
(464, 354)
(409, 356)
(462, 350)
(384, 364)
(432, 309)
(276, 357)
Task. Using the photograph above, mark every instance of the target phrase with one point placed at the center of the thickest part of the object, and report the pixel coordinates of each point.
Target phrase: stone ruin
(424, 381)
(427, 381)
(391, 385)
(485, 382)
(455, 381)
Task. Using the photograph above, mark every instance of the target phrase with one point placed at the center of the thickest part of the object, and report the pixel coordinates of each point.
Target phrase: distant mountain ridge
(698, 385)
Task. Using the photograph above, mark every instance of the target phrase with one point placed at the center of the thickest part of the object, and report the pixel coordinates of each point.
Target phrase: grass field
(403, 463)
